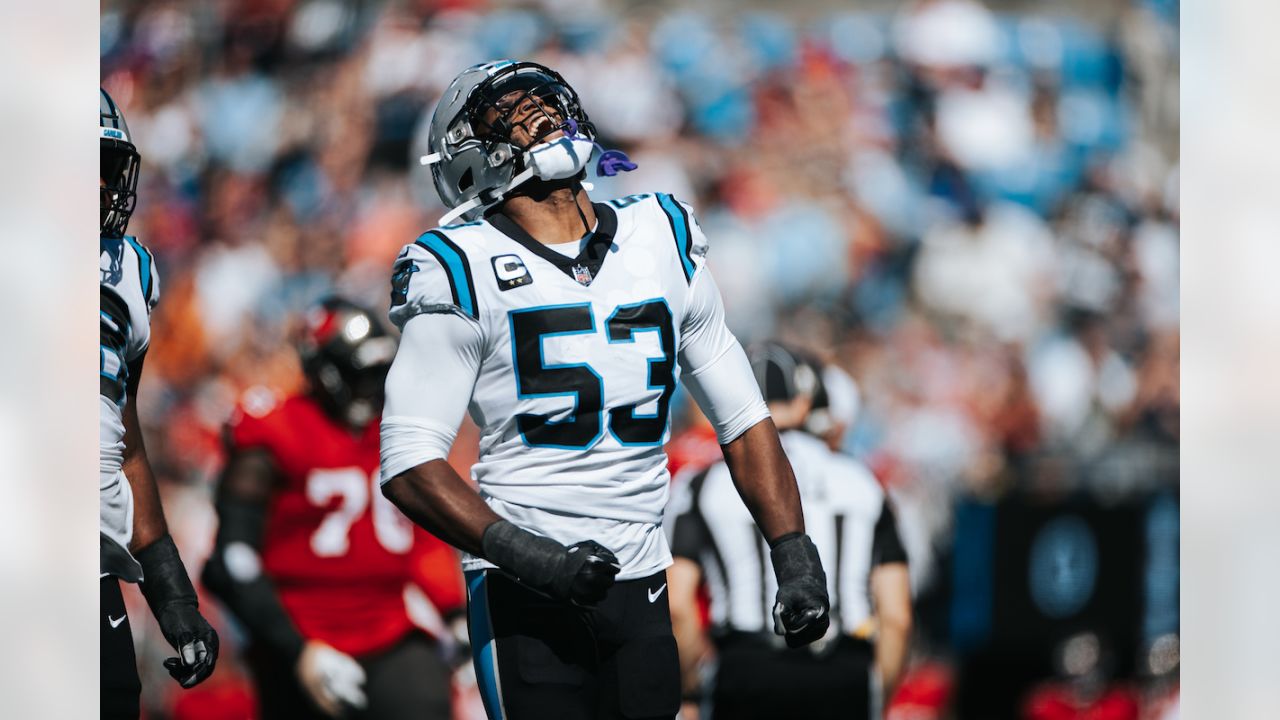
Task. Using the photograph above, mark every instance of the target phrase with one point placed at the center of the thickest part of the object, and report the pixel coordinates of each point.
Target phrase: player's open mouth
(544, 123)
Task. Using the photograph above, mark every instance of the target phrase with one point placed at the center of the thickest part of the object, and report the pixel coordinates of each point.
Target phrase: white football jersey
(578, 366)
(843, 504)
(130, 288)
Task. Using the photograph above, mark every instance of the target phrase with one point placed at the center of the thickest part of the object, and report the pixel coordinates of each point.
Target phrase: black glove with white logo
(580, 574)
(802, 609)
(172, 599)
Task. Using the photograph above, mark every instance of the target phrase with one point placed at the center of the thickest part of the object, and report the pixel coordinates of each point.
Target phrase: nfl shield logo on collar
(582, 275)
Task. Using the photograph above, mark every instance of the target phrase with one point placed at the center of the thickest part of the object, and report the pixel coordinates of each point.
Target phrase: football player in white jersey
(134, 542)
(847, 673)
(563, 326)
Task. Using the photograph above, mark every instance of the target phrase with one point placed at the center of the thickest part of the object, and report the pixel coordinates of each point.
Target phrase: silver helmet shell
(473, 160)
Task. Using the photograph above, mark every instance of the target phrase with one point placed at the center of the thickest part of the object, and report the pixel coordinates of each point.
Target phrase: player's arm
(234, 574)
(719, 377)
(165, 583)
(428, 389)
(234, 570)
(683, 579)
(891, 599)
(689, 538)
(149, 524)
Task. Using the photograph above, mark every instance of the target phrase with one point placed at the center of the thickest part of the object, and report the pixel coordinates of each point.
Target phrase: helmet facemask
(351, 395)
(521, 105)
(118, 193)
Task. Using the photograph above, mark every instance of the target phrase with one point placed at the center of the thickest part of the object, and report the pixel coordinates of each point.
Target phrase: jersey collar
(592, 255)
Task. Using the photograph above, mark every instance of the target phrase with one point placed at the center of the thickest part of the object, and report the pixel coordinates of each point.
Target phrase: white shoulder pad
(432, 275)
(691, 242)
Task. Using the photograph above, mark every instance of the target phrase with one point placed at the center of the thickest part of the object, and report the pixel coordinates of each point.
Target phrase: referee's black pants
(757, 680)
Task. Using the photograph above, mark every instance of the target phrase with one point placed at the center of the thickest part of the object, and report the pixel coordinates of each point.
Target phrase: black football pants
(756, 680)
(117, 665)
(541, 659)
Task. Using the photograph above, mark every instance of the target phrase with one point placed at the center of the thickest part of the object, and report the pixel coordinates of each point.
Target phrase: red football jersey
(339, 553)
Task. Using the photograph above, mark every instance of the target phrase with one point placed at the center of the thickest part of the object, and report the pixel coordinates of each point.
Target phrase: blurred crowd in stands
(974, 213)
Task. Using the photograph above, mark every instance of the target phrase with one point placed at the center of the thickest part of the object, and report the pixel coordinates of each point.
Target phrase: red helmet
(346, 354)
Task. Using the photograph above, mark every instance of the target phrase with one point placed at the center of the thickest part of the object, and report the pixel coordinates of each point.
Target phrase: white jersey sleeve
(716, 369)
(431, 276)
(428, 389)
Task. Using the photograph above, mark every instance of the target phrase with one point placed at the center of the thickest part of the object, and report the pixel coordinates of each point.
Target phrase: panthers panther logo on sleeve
(111, 262)
(404, 269)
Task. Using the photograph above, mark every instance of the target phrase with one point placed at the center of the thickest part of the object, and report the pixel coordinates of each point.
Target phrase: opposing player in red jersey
(311, 558)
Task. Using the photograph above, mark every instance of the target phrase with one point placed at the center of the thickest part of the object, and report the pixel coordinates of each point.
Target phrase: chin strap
(611, 162)
(480, 200)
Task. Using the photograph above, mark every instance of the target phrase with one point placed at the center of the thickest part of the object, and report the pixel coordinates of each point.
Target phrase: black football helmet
(118, 168)
(346, 354)
(782, 372)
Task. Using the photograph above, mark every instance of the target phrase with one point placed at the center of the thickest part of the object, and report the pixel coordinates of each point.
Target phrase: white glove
(332, 679)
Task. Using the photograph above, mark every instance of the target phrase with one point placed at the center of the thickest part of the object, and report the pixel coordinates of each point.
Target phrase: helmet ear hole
(466, 181)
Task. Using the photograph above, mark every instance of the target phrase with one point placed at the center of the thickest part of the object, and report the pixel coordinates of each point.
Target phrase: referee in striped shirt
(850, 671)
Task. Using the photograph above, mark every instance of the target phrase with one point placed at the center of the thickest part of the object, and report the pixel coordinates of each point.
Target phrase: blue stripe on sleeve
(680, 229)
(455, 266)
(144, 266)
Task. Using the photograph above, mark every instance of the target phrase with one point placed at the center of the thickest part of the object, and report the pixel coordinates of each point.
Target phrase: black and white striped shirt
(845, 513)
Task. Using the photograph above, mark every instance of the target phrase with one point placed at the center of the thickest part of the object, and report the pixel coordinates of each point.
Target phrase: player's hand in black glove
(196, 642)
(802, 611)
(590, 570)
(581, 574)
(172, 599)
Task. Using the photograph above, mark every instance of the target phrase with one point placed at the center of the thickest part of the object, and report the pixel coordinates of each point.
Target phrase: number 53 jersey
(576, 361)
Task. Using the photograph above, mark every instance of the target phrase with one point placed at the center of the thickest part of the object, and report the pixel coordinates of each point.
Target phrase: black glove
(172, 599)
(580, 574)
(802, 609)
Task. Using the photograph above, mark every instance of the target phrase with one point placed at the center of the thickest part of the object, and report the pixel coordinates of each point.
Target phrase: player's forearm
(148, 514)
(257, 605)
(684, 577)
(891, 594)
(435, 497)
(765, 480)
(234, 574)
(693, 648)
(891, 657)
